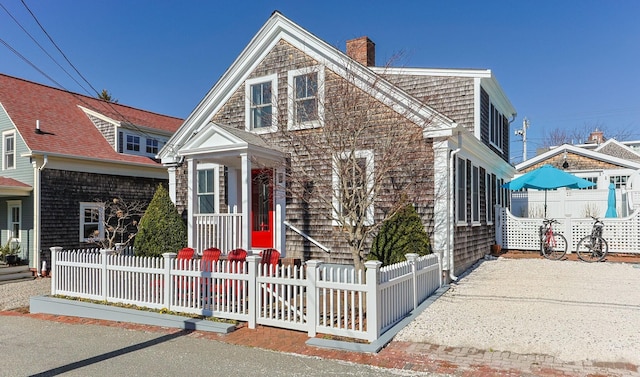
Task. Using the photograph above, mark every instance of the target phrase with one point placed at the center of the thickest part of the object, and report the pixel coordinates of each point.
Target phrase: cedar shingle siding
(314, 220)
(62, 191)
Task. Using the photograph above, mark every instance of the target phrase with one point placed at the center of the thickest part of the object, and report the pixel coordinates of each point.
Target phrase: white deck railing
(519, 233)
(221, 230)
(313, 298)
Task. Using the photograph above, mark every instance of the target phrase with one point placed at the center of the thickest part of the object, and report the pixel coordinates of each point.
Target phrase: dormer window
(152, 146)
(306, 96)
(141, 145)
(133, 143)
(260, 107)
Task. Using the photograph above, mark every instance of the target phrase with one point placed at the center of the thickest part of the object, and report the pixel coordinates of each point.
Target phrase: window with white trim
(306, 97)
(152, 146)
(620, 181)
(260, 108)
(353, 186)
(208, 180)
(133, 143)
(14, 219)
(91, 221)
(461, 192)
(475, 194)
(9, 150)
(496, 126)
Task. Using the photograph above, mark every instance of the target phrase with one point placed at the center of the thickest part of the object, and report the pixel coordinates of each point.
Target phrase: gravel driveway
(570, 310)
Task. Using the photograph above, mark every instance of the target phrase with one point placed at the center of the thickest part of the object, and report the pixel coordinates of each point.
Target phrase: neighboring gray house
(459, 161)
(63, 152)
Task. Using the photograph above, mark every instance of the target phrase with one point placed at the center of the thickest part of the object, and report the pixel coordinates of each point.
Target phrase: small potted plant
(10, 252)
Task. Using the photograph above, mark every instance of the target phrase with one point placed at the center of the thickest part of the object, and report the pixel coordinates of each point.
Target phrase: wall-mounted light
(565, 164)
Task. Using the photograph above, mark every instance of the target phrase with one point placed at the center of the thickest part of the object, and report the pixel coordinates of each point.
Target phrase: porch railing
(221, 230)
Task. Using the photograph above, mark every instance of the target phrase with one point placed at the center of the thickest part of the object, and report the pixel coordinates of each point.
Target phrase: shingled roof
(65, 128)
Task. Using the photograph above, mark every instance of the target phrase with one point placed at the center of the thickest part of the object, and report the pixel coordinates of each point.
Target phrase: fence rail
(518, 233)
(315, 297)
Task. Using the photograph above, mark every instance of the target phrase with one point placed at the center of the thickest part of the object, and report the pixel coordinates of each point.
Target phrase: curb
(72, 308)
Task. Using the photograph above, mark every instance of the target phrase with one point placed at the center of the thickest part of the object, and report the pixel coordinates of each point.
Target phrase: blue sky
(564, 64)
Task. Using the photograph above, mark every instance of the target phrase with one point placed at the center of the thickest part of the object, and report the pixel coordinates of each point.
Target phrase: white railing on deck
(221, 230)
(518, 233)
(315, 297)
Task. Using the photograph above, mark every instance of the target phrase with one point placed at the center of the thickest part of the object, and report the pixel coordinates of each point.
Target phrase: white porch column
(172, 183)
(443, 217)
(192, 199)
(281, 213)
(246, 200)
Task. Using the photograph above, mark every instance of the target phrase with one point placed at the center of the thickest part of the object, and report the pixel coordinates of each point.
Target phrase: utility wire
(130, 123)
(43, 49)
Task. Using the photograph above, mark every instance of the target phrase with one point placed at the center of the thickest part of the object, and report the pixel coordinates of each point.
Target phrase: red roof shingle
(66, 129)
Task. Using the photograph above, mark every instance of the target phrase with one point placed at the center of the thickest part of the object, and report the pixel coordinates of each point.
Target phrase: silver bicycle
(593, 248)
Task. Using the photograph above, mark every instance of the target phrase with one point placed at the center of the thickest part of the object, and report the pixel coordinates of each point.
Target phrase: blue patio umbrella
(611, 202)
(547, 178)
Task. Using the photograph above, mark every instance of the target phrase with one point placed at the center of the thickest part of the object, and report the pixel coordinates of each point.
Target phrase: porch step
(15, 273)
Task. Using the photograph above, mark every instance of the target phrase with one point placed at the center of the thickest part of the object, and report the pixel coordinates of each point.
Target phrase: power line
(43, 49)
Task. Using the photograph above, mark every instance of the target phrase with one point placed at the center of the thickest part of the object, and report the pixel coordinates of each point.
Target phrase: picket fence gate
(314, 297)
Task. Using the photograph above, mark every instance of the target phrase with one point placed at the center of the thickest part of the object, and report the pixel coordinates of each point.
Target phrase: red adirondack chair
(270, 257)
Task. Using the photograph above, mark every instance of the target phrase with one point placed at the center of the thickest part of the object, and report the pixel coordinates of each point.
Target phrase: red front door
(262, 216)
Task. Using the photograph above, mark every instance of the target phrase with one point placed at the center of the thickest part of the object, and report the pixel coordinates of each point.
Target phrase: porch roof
(224, 144)
(13, 187)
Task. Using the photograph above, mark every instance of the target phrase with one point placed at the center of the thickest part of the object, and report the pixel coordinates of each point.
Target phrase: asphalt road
(33, 347)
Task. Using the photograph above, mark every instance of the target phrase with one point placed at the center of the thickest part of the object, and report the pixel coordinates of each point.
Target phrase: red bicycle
(552, 245)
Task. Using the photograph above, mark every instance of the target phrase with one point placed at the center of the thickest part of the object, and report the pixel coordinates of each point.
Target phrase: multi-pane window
(305, 99)
(91, 221)
(593, 180)
(260, 106)
(14, 219)
(133, 143)
(260, 103)
(352, 186)
(152, 146)
(461, 185)
(206, 194)
(619, 181)
(9, 151)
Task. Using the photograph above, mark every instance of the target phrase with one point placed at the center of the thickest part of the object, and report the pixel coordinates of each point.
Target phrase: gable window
(14, 219)
(207, 182)
(9, 150)
(306, 96)
(461, 191)
(353, 186)
(133, 143)
(496, 126)
(152, 146)
(260, 109)
(91, 221)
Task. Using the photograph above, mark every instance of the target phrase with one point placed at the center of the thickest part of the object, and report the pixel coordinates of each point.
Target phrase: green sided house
(62, 154)
(259, 163)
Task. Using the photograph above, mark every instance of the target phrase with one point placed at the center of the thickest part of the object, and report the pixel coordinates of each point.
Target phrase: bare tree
(354, 158)
(580, 134)
(120, 223)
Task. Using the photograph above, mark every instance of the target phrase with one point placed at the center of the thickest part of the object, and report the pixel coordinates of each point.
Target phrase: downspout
(36, 211)
(452, 212)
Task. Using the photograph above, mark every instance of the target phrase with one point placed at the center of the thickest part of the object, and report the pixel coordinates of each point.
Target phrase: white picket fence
(315, 298)
(519, 233)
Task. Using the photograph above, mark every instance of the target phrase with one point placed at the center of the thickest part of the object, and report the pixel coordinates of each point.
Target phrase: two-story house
(63, 154)
(281, 112)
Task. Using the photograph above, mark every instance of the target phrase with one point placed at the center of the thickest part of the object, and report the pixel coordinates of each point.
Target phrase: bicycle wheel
(595, 251)
(555, 248)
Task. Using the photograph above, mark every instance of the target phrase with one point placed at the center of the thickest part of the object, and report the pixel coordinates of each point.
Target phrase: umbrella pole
(545, 204)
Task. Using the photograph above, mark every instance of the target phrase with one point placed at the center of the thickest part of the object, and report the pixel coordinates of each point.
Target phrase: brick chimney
(596, 137)
(362, 50)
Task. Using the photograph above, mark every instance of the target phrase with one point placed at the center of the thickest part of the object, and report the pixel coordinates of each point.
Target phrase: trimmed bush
(161, 229)
(400, 234)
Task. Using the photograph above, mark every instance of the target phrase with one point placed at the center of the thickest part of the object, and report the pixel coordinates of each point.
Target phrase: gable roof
(277, 28)
(66, 129)
(614, 148)
(598, 156)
